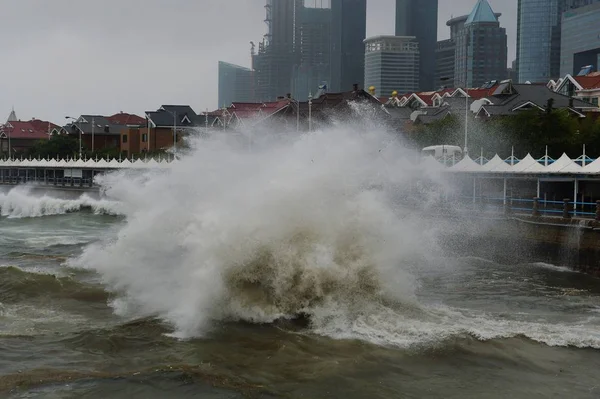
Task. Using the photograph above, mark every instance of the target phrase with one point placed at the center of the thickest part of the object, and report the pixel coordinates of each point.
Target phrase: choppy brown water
(480, 329)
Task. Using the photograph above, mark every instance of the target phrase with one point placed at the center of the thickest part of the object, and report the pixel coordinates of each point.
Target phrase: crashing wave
(22, 202)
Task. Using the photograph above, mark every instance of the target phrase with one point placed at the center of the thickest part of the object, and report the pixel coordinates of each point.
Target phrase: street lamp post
(297, 116)
(466, 150)
(310, 98)
(80, 131)
(466, 121)
(93, 123)
(174, 113)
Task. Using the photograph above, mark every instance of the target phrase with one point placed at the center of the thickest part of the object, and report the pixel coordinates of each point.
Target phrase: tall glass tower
(419, 18)
(539, 37)
(348, 31)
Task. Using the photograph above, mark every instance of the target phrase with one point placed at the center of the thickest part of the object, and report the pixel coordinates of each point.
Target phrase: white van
(440, 151)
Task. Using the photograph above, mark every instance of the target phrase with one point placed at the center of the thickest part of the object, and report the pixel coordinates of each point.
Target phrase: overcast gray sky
(72, 57)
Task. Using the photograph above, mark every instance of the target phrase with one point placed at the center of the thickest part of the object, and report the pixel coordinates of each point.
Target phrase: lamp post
(310, 98)
(75, 120)
(174, 113)
(466, 150)
(466, 121)
(93, 123)
(297, 116)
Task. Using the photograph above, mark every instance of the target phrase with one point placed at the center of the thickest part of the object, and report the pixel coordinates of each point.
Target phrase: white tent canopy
(496, 166)
(466, 165)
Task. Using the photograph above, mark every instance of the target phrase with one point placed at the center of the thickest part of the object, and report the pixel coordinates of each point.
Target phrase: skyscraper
(580, 44)
(277, 53)
(236, 84)
(539, 37)
(392, 64)
(313, 47)
(348, 31)
(310, 43)
(419, 18)
(481, 48)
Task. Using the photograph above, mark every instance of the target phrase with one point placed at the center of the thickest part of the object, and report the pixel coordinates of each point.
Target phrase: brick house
(106, 132)
(158, 132)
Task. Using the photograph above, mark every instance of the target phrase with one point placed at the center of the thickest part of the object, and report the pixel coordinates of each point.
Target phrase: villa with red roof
(586, 87)
(22, 135)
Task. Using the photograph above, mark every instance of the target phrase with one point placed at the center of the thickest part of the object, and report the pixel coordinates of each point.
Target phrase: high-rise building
(392, 64)
(348, 32)
(236, 84)
(580, 39)
(481, 48)
(444, 63)
(310, 43)
(538, 37)
(313, 47)
(419, 18)
(446, 52)
(277, 53)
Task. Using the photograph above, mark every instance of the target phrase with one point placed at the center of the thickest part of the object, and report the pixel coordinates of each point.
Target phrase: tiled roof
(181, 115)
(588, 82)
(34, 129)
(123, 118)
(536, 94)
(478, 94)
(96, 124)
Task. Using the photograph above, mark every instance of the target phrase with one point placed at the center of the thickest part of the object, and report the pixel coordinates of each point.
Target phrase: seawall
(515, 239)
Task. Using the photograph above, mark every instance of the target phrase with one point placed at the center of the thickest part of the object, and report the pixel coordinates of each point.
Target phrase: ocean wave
(17, 284)
(548, 266)
(434, 326)
(304, 227)
(21, 202)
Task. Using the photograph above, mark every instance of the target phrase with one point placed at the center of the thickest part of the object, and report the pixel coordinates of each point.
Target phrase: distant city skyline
(129, 57)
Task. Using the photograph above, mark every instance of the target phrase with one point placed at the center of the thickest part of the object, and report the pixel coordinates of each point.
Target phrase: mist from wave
(304, 226)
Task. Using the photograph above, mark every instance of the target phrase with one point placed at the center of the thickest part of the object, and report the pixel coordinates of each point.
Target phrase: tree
(58, 146)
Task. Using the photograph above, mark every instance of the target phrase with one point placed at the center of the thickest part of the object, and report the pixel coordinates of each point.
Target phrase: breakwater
(517, 238)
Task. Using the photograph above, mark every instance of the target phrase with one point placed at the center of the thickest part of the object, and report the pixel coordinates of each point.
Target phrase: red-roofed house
(125, 119)
(586, 88)
(22, 135)
(241, 114)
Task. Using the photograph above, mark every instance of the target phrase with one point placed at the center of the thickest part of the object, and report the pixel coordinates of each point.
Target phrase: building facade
(392, 64)
(277, 54)
(348, 32)
(539, 37)
(580, 39)
(313, 47)
(444, 63)
(236, 84)
(481, 48)
(419, 18)
(310, 45)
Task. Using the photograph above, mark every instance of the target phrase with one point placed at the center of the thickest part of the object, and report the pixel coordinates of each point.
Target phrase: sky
(71, 57)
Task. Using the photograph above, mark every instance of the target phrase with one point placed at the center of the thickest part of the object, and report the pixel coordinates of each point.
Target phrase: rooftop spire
(482, 12)
(12, 117)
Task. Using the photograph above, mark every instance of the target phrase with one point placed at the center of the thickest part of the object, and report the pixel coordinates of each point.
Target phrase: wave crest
(22, 202)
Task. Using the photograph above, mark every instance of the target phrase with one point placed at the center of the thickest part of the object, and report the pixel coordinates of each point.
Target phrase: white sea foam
(298, 225)
(22, 202)
(562, 269)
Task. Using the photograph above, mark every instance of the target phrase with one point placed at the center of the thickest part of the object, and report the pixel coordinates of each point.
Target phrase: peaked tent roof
(482, 12)
(497, 164)
(564, 164)
(466, 165)
(528, 164)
